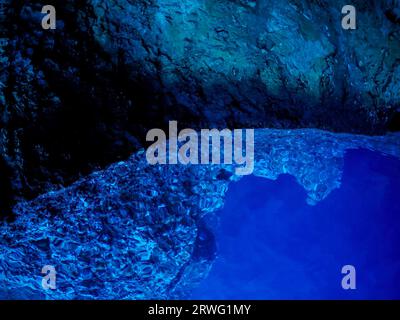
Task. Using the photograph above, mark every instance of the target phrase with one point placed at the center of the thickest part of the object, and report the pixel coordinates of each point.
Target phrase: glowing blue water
(272, 245)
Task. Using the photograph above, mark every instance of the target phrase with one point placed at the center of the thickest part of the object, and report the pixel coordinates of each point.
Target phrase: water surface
(272, 245)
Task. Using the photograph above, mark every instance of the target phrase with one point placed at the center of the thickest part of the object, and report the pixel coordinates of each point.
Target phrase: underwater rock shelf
(81, 97)
(135, 231)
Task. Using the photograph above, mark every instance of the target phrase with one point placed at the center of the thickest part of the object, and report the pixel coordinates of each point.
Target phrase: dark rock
(83, 96)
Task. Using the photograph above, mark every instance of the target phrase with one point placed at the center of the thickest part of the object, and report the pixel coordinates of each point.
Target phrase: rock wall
(78, 98)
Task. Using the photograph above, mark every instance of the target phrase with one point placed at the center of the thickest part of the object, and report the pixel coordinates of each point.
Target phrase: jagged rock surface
(136, 231)
(78, 98)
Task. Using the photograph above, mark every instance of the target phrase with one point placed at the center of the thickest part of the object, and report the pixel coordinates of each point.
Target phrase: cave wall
(84, 95)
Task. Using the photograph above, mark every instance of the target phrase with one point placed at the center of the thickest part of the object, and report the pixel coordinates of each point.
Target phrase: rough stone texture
(260, 63)
(83, 96)
(135, 231)
(314, 157)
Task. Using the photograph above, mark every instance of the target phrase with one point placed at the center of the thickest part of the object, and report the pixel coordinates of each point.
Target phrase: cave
(77, 102)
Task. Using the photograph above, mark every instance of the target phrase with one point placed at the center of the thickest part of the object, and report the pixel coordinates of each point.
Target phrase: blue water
(272, 245)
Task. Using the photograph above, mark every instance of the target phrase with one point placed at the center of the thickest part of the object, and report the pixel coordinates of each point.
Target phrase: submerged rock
(136, 231)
